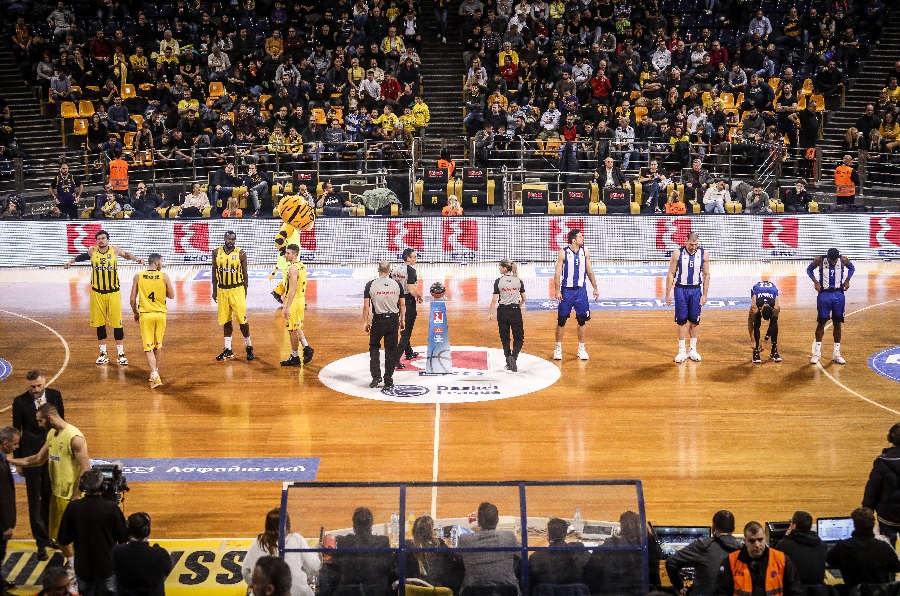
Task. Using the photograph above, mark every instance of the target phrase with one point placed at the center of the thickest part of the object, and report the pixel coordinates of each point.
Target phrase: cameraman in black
(93, 525)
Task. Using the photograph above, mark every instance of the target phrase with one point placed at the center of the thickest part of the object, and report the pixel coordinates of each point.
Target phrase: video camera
(114, 483)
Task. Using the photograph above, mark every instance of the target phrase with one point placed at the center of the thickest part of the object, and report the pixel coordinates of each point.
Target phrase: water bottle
(454, 536)
(577, 526)
(410, 520)
(394, 530)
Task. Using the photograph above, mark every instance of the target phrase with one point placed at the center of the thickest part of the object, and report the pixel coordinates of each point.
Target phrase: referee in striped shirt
(384, 310)
(509, 291)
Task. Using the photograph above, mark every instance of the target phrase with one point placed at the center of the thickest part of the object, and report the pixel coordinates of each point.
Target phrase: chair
(640, 112)
(432, 191)
(138, 120)
(477, 188)
(535, 199)
(319, 113)
(80, 127)
(617, 200)
(820, 101)
(774, 82)
(67, 109)
(127, 91)
(581, 200)
(727, 100)
(216, 90)
(85, 108)
(414, 590)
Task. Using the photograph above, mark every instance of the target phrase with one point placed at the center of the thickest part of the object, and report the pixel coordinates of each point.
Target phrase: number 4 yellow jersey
(151, 291)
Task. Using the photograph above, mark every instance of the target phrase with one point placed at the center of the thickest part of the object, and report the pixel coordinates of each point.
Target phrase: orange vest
(450, 165)
(843, 183)
(448, 210)
(743, 582)
(118, 174)
(676, 208)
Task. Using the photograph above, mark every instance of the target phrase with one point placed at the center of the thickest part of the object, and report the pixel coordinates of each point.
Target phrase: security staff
(408, 279)
(509, 291)
(845, 181)
(764, 305)
(384, 312)
(757, 569)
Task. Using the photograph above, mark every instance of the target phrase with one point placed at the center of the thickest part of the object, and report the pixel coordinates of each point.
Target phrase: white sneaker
(103, 358)
(123, 361)
(681, 356)
(557, 353)
(582, 354)
(814, 359)
(693, 355)
(838, 358)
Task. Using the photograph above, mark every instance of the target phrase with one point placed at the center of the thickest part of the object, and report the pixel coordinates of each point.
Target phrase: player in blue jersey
(573, 265)
(764, 306)
(686, 287)
(831, 277)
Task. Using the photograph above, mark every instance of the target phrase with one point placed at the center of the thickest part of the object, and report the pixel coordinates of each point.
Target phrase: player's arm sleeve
(851, 269)
(810, 269)
(82, 257)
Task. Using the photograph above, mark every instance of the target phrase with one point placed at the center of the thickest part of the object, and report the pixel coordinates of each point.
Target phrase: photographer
(141, 569)
(93, 525)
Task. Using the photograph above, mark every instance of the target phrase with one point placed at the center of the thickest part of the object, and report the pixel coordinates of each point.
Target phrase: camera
(114, 483)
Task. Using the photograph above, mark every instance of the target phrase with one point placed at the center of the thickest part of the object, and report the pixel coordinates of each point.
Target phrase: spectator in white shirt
(760, 24)
(662, 57)
(624, 134)
(550, 122)
(715, 197)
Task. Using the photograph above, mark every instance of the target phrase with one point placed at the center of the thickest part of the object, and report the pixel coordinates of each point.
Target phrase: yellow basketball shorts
(298, 309)
(232, 303)
(153, 328)
(106, 307)
(57, 507)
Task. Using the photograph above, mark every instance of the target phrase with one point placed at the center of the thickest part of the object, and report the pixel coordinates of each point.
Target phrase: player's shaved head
(693, 237)
(384, 267)
(155, 259)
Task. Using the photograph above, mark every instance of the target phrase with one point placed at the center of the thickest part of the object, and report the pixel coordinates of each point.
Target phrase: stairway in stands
(442, 69)
(37, 135)
(865, 89)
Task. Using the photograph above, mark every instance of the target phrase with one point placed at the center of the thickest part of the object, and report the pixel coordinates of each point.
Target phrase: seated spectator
(715, 197)
(652, 181)
(609, 176)
(145, 203)
(484, 145)
(194, 202)
(333, 203)
(759, 200)
(796, 200)
(610, 571)
(558, 566)
(704, 555)
(302, 564)
(696, 181)
(259, 188)
(119, 118)
(805, 549)
(452, 208)
(674, 204)
(440, 569)
(489, 568)
(864, 559)
(370, 572)
(13, 210)
(233, 209)
(758, 569)
(335, 140)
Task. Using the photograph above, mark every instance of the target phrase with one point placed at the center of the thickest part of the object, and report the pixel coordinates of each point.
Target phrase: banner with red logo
(463, 239)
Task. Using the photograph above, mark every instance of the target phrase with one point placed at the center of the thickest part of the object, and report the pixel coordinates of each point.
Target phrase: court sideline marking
(841, 385)
(434, 463)
(54, 332)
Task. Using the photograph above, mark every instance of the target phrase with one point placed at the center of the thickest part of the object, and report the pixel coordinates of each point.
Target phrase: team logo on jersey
(404, 234)
(671, 234)
(559, 230)
(460, 236)
(884, 233)
(475, 373)
(780, 232)
(80, 237)
(191, 238)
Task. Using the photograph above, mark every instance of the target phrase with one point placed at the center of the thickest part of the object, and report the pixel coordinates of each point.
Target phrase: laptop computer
(674, 538)
(833, 529)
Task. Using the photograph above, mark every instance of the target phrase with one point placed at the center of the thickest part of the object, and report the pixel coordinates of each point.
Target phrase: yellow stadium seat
(85, 108)
(67, 109)
(319, 113)
(127, 91)
(79, 127)
(138, 120)
(820, 101)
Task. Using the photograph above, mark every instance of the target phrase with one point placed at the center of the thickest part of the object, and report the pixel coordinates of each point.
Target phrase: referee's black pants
(410, 320)
(385, 327)
(509, 317)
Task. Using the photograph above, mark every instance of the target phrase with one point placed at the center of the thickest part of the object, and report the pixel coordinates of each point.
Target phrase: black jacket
(725, 581)
(864, 559)
(883, 488)
(25, 420)
(808, 553)
(94, 526)
(141, 569)
(374, 571)
(7, 497)
(558, 566)
(705, 555)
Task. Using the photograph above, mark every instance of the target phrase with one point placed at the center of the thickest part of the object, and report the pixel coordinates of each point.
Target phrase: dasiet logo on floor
(485, 388)
(639, 304)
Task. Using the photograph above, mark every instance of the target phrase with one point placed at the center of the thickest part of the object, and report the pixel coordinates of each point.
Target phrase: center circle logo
(478, 374)
(887, 363)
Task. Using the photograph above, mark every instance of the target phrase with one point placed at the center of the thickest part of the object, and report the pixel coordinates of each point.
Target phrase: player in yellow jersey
(230, 278)
(66, 452)
(106, 298)
(148, 303)
(294, 306)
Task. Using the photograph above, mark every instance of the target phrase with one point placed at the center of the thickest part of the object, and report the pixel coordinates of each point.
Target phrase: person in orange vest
(453, 207)
(757, 570)
(118, 173)
(845, 181)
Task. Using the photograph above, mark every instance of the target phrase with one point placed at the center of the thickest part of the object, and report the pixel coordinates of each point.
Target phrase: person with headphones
(140, 569)
(93, 526)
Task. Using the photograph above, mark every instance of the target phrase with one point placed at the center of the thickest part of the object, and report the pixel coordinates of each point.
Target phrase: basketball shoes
(103, 358)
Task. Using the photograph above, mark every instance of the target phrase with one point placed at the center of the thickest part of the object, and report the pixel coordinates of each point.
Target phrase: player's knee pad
(561, 321)
(582, 319)
(118, 333)
(101, 332)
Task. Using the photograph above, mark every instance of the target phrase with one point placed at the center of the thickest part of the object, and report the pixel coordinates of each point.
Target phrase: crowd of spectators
(198, 83)
(670, 80)
(876, 133)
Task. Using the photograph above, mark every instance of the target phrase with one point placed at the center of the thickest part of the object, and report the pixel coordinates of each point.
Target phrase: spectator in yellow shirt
(507, 51)
(408, 123)
(275, 47)
(421, 113)
(393, 48)
(892, 90)
(387, 120)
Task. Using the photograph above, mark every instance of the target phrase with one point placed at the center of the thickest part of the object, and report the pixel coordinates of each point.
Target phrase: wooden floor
(761, 440)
